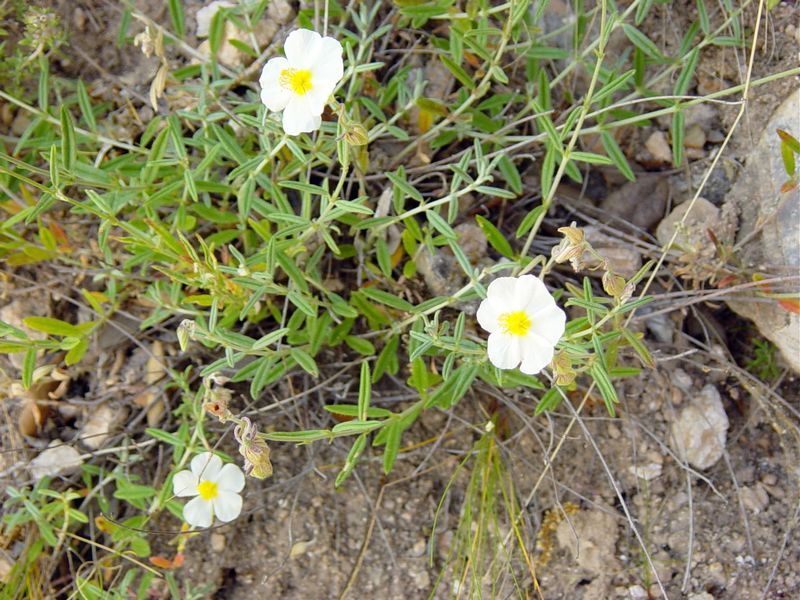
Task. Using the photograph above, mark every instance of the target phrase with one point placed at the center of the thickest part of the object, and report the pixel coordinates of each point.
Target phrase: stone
(692, 223)
(658, 145)
(769, 230)
(700, 433)
(57, 459)
(648, 471)
(623, 259)
(206, 13)
(100, 424)
(754, 498)
(641, 203)
(591, 537)
(695, 137)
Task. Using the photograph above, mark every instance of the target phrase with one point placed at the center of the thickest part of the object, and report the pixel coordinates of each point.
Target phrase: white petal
(328, 65)
(298, 118)
(501, 292)
(301, 48)
(549, 323)
(488, 316)
(536, 354)
(504, 350)
(273, 95)
(198, 512)
(230, 479)
(227, 506)
(206, 466)
(184, 484)
(530, 293)
(317, 98)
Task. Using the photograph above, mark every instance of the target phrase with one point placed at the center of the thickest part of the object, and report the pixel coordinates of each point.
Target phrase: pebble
(695, 137)
(637, 592)
(682, 380)
(217, 542)
(700, 433)
(754, 498)
(648, 471)
(418, 549)
(658, 145)
(701, 596)
(58, 459)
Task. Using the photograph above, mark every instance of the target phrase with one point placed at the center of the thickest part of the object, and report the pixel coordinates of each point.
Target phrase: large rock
(769, 230)
(700, 433)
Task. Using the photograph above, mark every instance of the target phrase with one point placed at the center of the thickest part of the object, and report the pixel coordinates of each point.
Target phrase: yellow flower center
(207, 490)
(297, 80)
(515, 323)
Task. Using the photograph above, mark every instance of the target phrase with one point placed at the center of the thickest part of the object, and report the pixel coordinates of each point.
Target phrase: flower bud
(562, 368)
(254, 450)
(613, 284)
(256, 458)
(185, 333)
(356, 135)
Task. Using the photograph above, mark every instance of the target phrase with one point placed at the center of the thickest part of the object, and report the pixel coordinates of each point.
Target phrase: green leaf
(351, 410)
(384, 259)
(363, 346)
(702, 13)
(677, 137)
(458, 72)
(77, 352)
(387, 360)
(28, 366)
(176, 14)
(86, 105)
(352, 459)
(388, 299)
(452, 390)
(591, 158)
(526, 223)
(550, 401)
(299, 437)
(510, 174)
(69, 151)
(399, 180)
(607, 391)
(636, 343)
(53, 326)
(305, 360)
(495, 238)
(617, 156)
(394, 434)
(164, 436)
(685, 78)
(641, 41)
(364, 391)
(216, 31)
(788, 139)
(132, 491)
(353, 427)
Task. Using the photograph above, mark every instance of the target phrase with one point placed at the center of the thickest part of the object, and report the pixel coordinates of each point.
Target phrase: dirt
(626, 513)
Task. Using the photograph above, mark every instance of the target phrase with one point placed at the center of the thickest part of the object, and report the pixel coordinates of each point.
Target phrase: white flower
(523, 321)
(205, 14)
(216, 487)
(300, 84)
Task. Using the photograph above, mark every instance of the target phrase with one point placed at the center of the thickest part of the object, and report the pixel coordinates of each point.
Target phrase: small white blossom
(300, 84)
(523, 321)
(216, 488)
